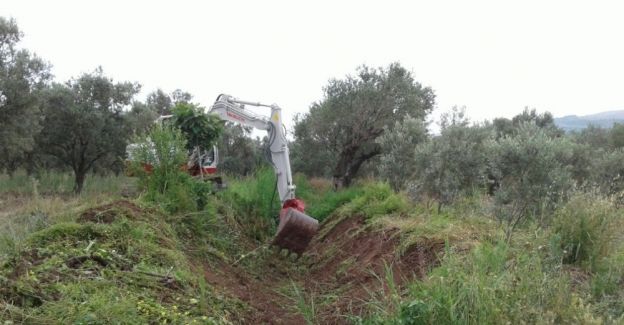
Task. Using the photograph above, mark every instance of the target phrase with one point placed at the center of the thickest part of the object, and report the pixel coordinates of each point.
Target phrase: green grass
(568, 272)
(322, 202)
(57, 183)
(485, 280)
(132, 270)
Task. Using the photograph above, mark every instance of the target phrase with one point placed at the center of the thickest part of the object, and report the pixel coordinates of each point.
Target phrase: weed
(168, 184)
(585, 230)
(255, 202)
(304, 305)
(377, 199)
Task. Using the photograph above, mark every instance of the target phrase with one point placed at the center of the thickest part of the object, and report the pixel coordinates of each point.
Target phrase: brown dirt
(269, 306)
(109, 212)
(350, 261)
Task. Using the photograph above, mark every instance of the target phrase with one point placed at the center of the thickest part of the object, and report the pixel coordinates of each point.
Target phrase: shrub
(396, 164)
(168, 184)
(321, 201)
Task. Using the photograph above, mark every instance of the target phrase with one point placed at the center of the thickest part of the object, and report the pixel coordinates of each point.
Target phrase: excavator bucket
(295, 230)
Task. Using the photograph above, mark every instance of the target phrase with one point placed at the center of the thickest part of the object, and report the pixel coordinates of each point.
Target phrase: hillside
(603, 119)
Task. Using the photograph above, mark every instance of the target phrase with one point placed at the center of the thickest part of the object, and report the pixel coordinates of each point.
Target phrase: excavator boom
(296, 229)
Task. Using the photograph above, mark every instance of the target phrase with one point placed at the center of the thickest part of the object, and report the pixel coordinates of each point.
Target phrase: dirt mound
(108, 213)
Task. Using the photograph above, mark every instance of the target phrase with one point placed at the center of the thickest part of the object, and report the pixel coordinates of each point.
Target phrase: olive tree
(532, 174)
(22, 77)
(398, 144)
(84, 123)
(453, 162)
(354, 112)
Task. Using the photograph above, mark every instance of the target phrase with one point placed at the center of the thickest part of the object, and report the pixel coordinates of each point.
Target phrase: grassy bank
(378, 259)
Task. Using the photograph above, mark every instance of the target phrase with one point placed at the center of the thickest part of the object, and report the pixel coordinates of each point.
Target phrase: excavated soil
(350, 261)
(109, 212)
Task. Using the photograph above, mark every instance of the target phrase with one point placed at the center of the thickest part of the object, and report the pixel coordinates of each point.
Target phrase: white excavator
(295, 229)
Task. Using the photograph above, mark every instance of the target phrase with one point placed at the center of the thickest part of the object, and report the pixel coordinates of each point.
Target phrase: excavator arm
(296, 228)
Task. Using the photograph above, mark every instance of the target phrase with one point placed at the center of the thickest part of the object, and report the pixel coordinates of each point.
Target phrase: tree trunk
(79, 179)
(348, 166)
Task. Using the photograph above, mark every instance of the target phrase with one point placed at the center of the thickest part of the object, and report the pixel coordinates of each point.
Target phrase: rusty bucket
(295, 231)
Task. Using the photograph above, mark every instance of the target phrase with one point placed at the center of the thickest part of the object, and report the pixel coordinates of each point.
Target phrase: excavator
(295, 229)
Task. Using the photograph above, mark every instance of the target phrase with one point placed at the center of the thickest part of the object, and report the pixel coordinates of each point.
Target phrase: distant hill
(603, 119)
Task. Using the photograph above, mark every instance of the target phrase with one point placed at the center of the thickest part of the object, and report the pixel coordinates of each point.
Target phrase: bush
(396, 164)
(453, 162)
(608, 174)
(168, 184)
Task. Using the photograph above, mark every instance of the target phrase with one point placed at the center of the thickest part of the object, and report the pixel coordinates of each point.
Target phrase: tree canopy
(354, 112)
(83, 122)
(22, 77)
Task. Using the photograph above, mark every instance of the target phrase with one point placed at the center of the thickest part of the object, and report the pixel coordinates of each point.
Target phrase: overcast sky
(494, 57)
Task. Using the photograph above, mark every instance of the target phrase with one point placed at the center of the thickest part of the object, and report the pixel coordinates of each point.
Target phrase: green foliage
(585, 231)
(22, 77)
(616, 139)
(255, 202)
(397, 161)
(51, 182)
(140, 118)
(128, 271)
(504, 127)
(493, 285)
(453, 162)
(608, 173)
(168, 184)
(375, 200)
(353, 114)
(200, 130)
(532, 178)
(239, 154)
(83, 122)
(322, 202)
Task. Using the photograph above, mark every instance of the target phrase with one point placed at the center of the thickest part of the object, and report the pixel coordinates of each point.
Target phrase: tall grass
(570, 272)
(321, 200)
(254, 201)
